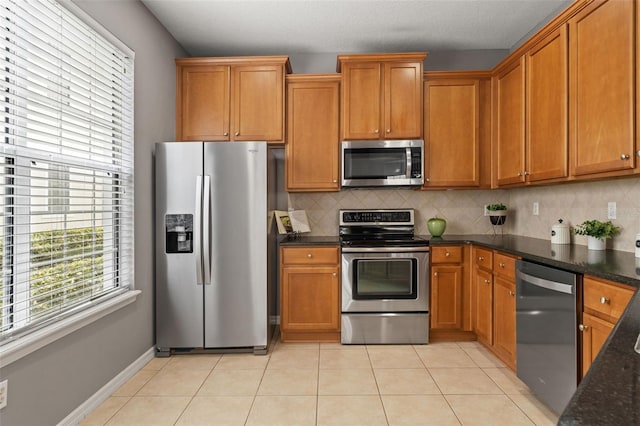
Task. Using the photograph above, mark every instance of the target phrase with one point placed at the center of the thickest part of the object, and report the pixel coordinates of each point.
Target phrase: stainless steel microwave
(382, 163)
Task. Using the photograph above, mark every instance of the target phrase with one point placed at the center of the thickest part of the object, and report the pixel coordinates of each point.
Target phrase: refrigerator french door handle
(196, 231)
(206, 221)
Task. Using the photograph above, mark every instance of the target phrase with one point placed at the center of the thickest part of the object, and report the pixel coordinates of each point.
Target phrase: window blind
(66, 166)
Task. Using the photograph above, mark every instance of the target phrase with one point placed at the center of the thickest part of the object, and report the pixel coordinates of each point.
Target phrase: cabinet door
(312, 136)
(202, 103)
(402, 100)
(361, 98)
(504, 319)
(594, 333)
(446, 297)
(547, 139)
(483, 312)
(602, 60)
(257, 103)
(509, 125)
(310, 299)
(452, 133)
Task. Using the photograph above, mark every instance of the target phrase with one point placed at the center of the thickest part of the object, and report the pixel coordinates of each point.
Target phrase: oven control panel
(377, 217)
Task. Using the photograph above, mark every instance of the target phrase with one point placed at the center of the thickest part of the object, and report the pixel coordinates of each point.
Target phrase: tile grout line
(197, 390)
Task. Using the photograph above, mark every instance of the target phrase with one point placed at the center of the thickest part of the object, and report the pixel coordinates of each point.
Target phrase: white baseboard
(94, 401)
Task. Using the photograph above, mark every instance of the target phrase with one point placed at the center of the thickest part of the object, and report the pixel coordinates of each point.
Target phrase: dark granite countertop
(610, 392)
(309, 241)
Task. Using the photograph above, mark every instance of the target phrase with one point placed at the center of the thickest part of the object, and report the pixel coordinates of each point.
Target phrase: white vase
(594, 243)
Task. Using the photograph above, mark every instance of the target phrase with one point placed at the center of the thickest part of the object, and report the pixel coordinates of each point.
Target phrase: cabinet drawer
(504, 266)
(482, 258)
(605, 297)
(310, 255)
(452, 254)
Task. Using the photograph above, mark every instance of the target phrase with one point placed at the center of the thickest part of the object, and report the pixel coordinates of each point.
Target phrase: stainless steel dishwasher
(546, 333)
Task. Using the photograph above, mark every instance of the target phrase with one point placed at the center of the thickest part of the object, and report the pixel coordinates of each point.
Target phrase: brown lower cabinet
(603, 303)
(310, 294)
(450, 297)
(494, 302)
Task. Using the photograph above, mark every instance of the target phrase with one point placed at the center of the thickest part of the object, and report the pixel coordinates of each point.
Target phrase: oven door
(385, 279)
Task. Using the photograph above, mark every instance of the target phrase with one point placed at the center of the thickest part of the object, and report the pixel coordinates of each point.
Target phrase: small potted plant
(597, 232)
(497, 213)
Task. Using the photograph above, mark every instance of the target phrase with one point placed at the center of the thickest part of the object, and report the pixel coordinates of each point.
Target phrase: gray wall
(445, 60)
(45, 386)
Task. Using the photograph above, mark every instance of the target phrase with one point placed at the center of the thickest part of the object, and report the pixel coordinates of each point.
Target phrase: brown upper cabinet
(231, 99)
(457, 129)
(313, 133)
(531, 97)
(381, 96)
(546, 136)
(602, 98)
(509, 98)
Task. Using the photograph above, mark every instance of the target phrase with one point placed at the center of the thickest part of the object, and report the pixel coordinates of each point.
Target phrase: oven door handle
(385, 249)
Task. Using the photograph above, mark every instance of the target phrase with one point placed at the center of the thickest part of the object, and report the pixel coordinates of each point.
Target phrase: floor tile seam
(521, 409)
(498, 384)
(140, 388)
(115, 412)
(203, 382)
(452, 409)
(184, 410)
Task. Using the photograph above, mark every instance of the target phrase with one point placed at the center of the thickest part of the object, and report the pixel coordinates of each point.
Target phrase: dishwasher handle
(548, 284)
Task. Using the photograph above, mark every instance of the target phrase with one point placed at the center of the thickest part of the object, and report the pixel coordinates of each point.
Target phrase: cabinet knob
(511, 293)
(638, 153)
(519, 173)
(426, 179)
(486, 281)
(583, 327)
(237, 133)
(624, 156)
(447, 254)
(225, 134)
(501, 265)
(526, 173)
(435, 274)
(334, 181)
(375, 131)
(388, 130)
(334, 274)
(480, 258)
(309, 256)
(604, 300)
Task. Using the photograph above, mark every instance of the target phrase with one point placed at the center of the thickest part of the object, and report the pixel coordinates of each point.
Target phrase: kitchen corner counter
(610, 392)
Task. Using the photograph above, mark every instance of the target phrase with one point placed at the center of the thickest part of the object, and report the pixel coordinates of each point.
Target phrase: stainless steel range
(385, 279)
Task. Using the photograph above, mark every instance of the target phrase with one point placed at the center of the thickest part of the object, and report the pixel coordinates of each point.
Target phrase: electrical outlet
(611, 210)
(486, 212)
(3, 393)
(536, 208)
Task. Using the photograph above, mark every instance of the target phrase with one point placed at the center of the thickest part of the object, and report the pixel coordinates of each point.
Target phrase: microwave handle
(409, 165)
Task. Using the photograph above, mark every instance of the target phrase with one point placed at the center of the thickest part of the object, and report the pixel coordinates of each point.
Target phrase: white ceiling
(287, 27)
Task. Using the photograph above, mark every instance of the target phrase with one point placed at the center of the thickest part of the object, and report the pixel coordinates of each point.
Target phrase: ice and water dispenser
(179, 233)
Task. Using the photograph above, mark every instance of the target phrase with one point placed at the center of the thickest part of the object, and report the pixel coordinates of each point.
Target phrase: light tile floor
(327, 384)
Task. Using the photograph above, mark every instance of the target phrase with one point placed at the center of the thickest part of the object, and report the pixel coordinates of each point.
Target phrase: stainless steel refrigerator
(215, 246)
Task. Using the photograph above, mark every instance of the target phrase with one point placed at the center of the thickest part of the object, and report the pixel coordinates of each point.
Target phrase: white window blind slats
(66, 38)
(66, 166)
(42, 101)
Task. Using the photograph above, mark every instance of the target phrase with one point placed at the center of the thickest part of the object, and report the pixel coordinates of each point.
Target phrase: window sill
(31, 342)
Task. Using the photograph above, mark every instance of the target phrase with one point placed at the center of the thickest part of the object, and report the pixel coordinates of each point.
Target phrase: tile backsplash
(464, 210)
